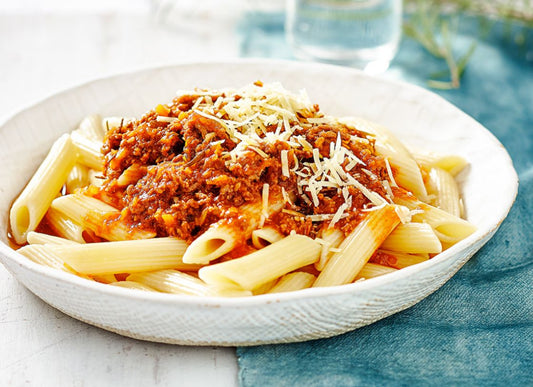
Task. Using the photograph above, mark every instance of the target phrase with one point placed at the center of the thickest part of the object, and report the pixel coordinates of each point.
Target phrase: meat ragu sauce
(180, 169)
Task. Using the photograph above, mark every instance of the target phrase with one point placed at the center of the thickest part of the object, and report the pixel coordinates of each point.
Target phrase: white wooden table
(46, 46)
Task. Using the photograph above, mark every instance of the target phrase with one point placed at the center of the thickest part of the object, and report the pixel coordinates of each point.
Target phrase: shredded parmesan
(320, 217)
(340, 212)
(258, 151)
(264, 211)
(389, 171)
(284, 163)
(294, 213)
(166, 119)
(403, 213)
(387, 187)
(266, 188)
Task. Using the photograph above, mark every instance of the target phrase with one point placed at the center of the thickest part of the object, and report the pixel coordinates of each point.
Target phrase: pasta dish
(236, 192)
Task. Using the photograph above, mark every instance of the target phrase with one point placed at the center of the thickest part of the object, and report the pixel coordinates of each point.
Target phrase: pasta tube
(31, 206)
(133, 285)
(449, 229)
(263, 237)
(91, 127)
(220, 238)
(358, 247)
(91, 214)
(172, 281)
(413, 238)
(88, 151)
(396, 259)
(407, 172)
(77, 178)
(43, 255)
(331, 238)
(443, 186)
(372, 270)
(38, 238)
(452, 164)
(125, 256)
(264, 265)
(64, 227)
(293, 281)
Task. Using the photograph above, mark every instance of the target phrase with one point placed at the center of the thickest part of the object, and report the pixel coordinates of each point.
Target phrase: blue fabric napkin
(478, 328)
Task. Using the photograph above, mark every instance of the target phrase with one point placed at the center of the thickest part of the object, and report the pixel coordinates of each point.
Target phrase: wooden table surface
(46, 46)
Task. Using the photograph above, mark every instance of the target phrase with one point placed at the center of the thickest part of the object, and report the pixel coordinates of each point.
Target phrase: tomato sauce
(185, 179)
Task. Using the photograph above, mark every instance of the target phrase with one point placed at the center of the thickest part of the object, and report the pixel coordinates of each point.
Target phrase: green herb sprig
(434, 24)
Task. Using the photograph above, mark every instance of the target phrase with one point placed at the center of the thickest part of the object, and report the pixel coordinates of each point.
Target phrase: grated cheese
(166, 119)
(264, 195)
(387, 187)
(403, 213)
(294, 213)
(256, 115)
(340, 212)
(389, 171)
(284, 163)
(258, 151)
(286, 197)
(264, 211)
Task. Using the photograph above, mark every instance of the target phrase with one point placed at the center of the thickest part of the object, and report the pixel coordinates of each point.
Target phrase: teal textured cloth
(478, 328)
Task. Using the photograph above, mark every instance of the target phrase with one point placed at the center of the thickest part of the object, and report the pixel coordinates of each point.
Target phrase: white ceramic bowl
(420, 118)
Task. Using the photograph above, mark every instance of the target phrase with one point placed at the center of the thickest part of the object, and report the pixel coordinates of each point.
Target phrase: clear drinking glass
(360, 33)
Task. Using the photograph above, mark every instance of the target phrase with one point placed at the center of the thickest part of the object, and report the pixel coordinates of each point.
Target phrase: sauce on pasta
(179, 168)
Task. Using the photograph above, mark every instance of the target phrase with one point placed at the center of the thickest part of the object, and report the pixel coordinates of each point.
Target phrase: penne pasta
(43, 255)
(88, 151)
(449, 229)
(263, 289)
(172, 281)
(396, 259)
(218, 240)
(91, 213)
(452, 164)
(408, 173)
(77, 178)
(443, 186)
(413, 238)
(31, 206)
(264, 265)
(91, 128)
(263, 237)
(372, 270)
(331, 238)
(221, 238)
(358, 247)
(125, 256)
(297, 280)
(133, 285)
(64, 227)
(39, 238)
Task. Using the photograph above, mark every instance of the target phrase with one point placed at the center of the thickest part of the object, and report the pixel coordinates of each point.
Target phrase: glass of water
(360, 33)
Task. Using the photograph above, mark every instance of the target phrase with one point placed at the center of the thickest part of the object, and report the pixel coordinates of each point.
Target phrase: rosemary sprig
(430, 21)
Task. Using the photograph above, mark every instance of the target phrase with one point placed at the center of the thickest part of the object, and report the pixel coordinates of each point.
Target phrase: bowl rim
(266, 299)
